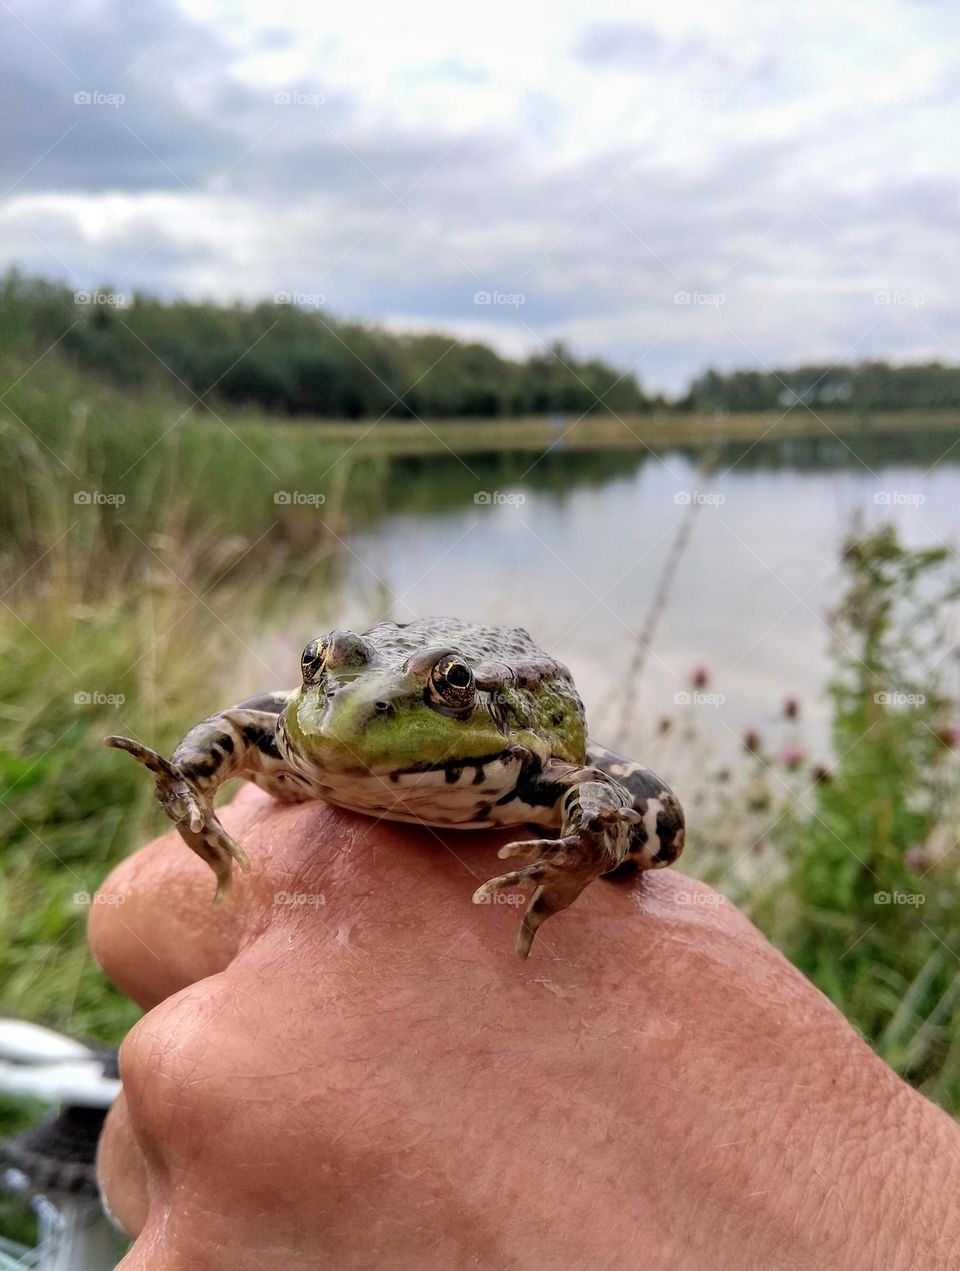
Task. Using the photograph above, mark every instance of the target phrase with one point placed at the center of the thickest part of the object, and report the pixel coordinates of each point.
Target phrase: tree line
(862, 387)
(291, 360)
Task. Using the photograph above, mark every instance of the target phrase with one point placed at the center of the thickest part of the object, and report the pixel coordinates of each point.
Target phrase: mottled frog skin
(438, 722)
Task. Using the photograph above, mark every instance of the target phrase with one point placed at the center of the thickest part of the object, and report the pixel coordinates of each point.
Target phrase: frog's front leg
(601, 830)
(238, 742)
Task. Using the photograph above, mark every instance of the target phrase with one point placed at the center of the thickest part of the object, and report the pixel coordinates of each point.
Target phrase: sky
(669, 187)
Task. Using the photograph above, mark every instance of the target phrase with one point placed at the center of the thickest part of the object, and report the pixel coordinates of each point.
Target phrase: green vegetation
(294, 361)
(853, 872)
(100, 602)
(863, 388)
(76, 662)
(106, 474)
(870, 905)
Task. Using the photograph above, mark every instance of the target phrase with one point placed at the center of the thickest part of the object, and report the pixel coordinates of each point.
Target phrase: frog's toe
(544, 903)
(531, 849)
(215, 846)
(183, 805)
(515, 878)
(160, 767)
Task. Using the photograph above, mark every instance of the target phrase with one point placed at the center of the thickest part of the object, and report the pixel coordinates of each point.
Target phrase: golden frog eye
(453, 680)
(313, 661)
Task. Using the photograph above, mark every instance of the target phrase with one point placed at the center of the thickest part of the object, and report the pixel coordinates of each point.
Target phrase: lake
(574, 546)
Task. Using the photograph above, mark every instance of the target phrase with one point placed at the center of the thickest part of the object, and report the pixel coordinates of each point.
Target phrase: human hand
(374, 1080)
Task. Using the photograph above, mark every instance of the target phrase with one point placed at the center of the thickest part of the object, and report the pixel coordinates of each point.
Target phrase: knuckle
(171, 1069)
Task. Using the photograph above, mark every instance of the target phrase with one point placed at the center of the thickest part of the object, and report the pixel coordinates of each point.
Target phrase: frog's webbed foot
(191, 810)
(562, 867)
(555, 874)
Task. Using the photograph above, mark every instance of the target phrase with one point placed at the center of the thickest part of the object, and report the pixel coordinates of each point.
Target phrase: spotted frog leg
(238, 742)
(609, 825)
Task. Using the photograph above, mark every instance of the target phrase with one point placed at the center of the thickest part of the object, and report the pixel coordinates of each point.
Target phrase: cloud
(619, 43)
(598, 167)
(100, 98)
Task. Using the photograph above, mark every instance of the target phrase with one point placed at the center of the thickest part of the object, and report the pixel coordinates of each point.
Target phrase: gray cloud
(620, 43)
(792, 194)
(186, 121)
(144, 53)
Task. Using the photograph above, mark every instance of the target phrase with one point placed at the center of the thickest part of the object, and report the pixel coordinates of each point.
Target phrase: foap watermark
(899, 498)
(300, 899)
(908, 299)
(502, 898)
(699, 497)
(299, 498)
(899, 898)
(85, 898)
(709, 298)
(98, 498)
(109, 299)
(499, 498)
(96, 698)
(298, 97)
(894, 698)
(512, 299)
(704, 97)
(695, 697)
(93, 97)
(305, 299)
(700, 899)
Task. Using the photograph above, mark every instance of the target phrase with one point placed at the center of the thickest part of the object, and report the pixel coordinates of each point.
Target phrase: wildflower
(751, 741)
(792, 757)
(700, 677)
(917, 858)
(791, 707)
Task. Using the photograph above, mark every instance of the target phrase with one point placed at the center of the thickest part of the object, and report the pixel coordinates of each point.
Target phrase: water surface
(574, 546)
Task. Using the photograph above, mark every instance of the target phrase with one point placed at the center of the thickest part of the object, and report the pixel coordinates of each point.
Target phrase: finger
(161, 930)
(122, 1171)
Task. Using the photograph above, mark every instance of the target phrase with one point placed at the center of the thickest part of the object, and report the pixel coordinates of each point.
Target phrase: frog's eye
(452, 678)
(313, 660)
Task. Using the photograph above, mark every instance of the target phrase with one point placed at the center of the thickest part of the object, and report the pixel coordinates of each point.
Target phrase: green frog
(438, 722)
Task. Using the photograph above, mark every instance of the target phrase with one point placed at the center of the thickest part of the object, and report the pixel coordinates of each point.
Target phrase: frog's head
(357, 710)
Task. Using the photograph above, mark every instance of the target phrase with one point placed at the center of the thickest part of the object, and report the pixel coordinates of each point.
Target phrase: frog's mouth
(381, 725)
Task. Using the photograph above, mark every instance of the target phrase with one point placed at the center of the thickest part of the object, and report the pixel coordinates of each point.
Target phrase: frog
(437, 722)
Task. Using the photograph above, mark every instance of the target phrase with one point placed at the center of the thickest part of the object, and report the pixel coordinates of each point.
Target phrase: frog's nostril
(383, 708)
